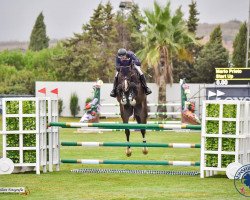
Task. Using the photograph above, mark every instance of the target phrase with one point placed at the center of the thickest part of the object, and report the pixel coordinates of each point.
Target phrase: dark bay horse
(133, 101)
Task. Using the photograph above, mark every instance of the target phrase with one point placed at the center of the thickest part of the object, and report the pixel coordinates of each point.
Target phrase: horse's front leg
(125, 119)
(128, 149)
(145, 149)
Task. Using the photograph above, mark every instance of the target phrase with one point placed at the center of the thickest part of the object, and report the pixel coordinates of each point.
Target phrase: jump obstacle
(241, 137)
(129, 144)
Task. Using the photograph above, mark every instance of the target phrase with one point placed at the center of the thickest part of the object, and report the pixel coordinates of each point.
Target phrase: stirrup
(113, 93)
(148, 91)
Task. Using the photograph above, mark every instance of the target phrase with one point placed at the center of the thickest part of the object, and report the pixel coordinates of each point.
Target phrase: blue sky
(65, 17)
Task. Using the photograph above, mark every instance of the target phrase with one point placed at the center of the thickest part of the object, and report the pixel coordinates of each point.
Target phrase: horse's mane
(131, 73)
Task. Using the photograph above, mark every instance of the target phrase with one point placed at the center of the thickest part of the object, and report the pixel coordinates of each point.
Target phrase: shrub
(74, 107)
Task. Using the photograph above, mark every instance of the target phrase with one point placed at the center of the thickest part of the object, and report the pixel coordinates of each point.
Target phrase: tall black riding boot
(144, 85)
(113, 92)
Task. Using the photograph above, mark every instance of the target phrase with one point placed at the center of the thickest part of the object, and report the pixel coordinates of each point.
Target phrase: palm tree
(165, 35)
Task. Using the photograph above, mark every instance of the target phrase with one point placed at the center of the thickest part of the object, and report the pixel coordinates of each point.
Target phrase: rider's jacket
(131, 58)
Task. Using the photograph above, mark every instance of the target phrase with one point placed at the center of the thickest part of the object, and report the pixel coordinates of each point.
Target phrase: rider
(127, 58)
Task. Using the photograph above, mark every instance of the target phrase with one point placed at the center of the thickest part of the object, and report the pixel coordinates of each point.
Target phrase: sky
(63, 18)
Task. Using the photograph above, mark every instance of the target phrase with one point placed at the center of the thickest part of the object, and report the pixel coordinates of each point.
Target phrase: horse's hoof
(128, 152)
(145, 151)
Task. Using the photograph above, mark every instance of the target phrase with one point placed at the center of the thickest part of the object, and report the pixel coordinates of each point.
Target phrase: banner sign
(228, 93)
(229, 76)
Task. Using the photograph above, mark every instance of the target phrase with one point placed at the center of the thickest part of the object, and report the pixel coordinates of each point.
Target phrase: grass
(67, 185)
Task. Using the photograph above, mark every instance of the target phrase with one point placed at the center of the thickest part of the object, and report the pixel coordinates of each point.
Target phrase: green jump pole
(131, 162)
(126, 126)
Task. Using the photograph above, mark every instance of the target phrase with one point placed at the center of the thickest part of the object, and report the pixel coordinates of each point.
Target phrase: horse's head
(127, 89)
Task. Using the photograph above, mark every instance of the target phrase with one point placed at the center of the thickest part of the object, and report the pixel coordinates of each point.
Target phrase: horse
(132, 100)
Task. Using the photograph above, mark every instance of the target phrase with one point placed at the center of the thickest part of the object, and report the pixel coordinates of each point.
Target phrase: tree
(127, 26)
(165, 36)
(212, 56)
(134, 23)
(38, 38)
(216, 35)
(185, 68)
(193, 20)
(90, 55)
(240, 47)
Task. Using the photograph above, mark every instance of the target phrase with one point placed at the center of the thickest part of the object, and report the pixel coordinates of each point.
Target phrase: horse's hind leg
(143, 132)
(125, 119)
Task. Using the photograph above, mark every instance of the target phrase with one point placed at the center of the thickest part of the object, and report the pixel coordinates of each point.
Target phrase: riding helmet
(122, 52)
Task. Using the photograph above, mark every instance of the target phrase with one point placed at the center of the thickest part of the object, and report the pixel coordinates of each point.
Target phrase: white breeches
(138, 68)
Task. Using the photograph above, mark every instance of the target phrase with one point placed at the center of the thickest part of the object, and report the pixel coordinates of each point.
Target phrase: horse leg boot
(113, 92)
(143, 80)
(128, 150)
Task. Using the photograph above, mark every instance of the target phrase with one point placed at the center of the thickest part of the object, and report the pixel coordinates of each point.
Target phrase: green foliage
(212, 56)
(165, 36)
(212, 127)
(212, 110)
(227, 159)
(21, 83)
(193, 20)
(184, 68)
(211, 160)
(240, 47)
(29, 156)
(29, 123)
(228, 144)
(12, 107)
(38, 38)
(134, 24)
(6, 72)
(12, 58)
(12, 123)
(29, 107)
(13, 155)
(216, 35)
(29, 140)
(90, 55)
(211, 144)
(229, 110)
(12, 140)
(16, 78)
(229, 127)
(74, 107)
(84, 57)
